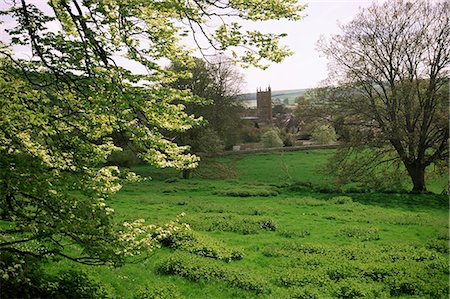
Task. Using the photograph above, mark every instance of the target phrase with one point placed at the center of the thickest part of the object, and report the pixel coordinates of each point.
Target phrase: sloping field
(260, 231)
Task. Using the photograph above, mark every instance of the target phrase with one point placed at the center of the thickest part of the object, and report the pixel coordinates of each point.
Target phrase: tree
(63, 99)
(219, 82)
(271, 138)
(393, 60)
(314, 109)
(323, 134)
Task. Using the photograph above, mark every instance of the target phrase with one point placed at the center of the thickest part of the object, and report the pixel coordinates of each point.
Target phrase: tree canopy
(74, 72)
(220, 82)
(392, 62)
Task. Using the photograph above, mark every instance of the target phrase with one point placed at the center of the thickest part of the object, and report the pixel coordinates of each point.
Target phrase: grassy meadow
(269, 226)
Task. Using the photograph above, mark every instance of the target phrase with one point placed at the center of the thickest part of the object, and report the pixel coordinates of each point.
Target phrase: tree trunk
(417, 174)
(186, 173)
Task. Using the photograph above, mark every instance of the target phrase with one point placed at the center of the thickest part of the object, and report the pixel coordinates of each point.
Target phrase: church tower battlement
(264, 105)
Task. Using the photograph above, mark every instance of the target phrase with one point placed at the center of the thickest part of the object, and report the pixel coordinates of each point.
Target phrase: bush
(340, 200)
(351, 288)
(203, 245)
(323, 134)
(76, 284)
(197, 268)
(158, 290)
(248, 192)
(365, 234)
(271, 138)
(28, 280)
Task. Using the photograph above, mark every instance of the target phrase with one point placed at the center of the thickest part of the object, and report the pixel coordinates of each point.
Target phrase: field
(267, 225)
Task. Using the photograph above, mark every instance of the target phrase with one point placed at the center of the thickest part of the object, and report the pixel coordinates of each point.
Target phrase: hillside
(285, 96)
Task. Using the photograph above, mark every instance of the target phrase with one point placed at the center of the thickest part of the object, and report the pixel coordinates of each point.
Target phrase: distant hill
(285, 96)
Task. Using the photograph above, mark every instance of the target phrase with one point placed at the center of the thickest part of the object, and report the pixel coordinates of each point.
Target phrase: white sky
(306, 68)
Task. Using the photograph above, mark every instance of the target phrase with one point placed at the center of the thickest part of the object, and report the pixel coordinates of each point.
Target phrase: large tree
(394, 58)
(219, 81)
(73, 73)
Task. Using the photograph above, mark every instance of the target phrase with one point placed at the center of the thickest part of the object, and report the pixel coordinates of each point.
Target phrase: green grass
(290, 241)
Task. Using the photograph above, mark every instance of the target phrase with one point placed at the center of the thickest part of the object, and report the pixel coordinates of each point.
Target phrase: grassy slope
(373, 245)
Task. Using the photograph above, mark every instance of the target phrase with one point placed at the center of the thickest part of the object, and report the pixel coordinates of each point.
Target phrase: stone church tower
(264, 106)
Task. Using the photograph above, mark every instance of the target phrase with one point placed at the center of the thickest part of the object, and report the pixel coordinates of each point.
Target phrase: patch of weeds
(305, 248)
(203, 245)
(172, 180)
(294, 234)
(338, 272)
(248, 192)
(209, 169)
(232, 223)
(302, 277)
(340, 200)
(158, 290)
(197, 268)
(169, 190)
(304, 293)
(365, 234)
(443, 235)
(268, 224)
(353, 288)
(306, 201)
(438, 245)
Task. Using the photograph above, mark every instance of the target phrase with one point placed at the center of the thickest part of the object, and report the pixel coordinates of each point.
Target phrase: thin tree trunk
(186, 173)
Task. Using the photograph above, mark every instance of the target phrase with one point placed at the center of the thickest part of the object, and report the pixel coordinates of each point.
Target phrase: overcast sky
(306, 68)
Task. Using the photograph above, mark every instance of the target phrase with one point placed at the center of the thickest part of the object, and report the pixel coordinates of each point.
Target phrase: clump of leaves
(365, 234)
(203, 245)
(197, 268)
(158, 290)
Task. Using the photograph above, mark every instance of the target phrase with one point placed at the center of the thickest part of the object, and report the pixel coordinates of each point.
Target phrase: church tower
(264, 106)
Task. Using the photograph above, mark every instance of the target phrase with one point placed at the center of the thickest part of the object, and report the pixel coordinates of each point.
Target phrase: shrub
(304, 293)
(340, 200)
(158, 290)
(203, 245)
(365, 234)
(352, 288)
(197, 268)
(438, 245)
(248, 192)
(301, 277)
(271, 138)
(20, 279)
(76, 284)
(323, 134)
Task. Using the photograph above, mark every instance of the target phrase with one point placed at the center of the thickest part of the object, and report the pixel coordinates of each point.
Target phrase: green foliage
(271, 138)
(340, 200)
(75, 284)
(365, 234)
(408, 120)
(248, 192)
(125, 158)
(158, 290)
(26, 279)
(66, 110)
(203, 245)
(200, 269)
(323, 134)
(232, 223)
